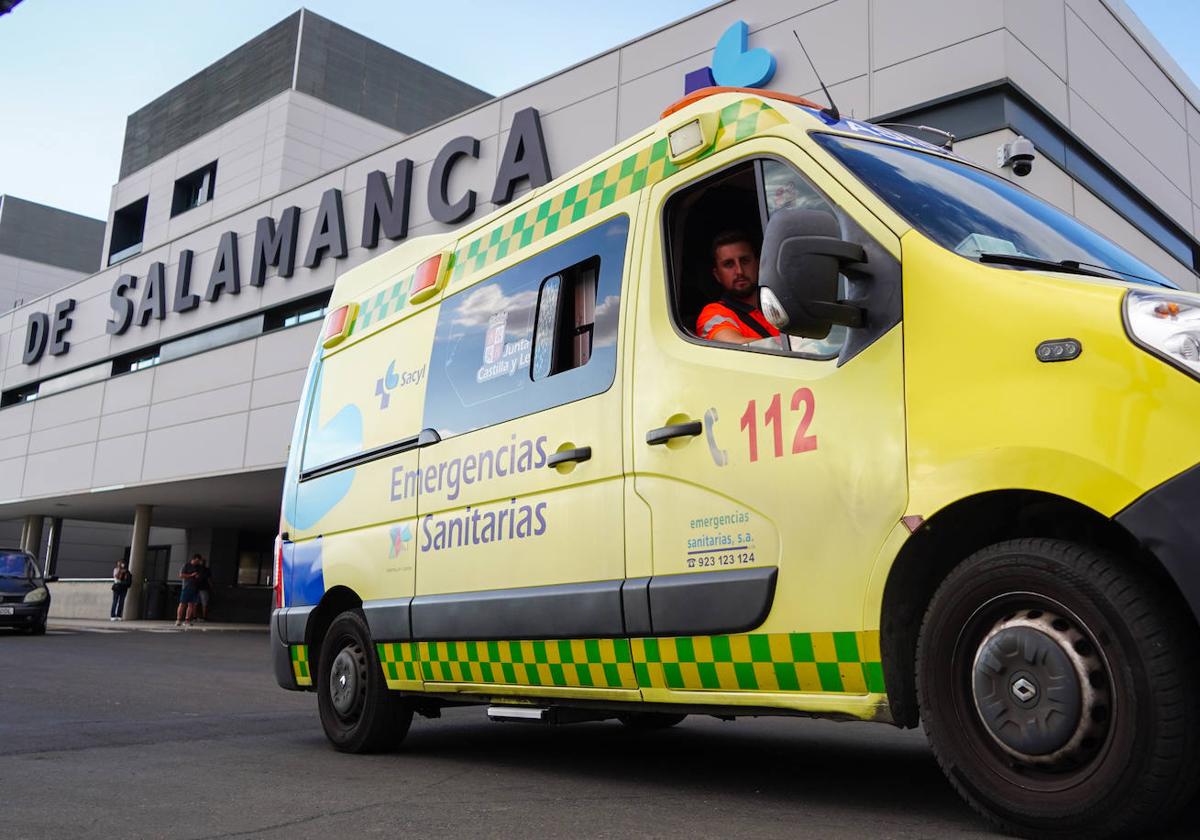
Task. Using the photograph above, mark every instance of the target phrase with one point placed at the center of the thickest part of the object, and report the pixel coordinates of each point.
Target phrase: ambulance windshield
(981, 216)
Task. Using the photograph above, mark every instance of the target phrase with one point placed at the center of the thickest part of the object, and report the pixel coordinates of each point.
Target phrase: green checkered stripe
(385, 304)
(841, 663)
(565, 663)
(300, 665)
(647, 166)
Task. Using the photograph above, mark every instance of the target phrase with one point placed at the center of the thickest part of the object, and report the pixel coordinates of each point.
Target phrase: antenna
(832, 111)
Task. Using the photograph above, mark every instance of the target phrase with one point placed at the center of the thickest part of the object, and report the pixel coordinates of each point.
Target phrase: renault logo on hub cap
(1024, 690)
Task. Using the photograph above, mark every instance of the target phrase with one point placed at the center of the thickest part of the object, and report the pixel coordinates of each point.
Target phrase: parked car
(24, 598)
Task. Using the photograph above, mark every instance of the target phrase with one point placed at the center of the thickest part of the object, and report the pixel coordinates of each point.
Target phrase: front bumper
(23, 615)
(1163, 521)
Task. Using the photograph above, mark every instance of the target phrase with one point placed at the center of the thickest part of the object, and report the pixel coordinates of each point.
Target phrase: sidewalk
(150, 626)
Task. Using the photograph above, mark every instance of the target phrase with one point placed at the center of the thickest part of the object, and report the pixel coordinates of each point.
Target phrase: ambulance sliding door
(520, 553)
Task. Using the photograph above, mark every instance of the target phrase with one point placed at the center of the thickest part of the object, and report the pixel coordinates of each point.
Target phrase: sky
(73, 70)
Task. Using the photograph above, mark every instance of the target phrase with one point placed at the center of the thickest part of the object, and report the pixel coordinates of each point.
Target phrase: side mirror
(802, 255)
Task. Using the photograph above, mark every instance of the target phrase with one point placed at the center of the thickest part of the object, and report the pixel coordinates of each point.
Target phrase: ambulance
(958, 490)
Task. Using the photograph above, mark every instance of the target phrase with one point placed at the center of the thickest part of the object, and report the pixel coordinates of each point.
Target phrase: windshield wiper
(1067, 266)
(1022, 261)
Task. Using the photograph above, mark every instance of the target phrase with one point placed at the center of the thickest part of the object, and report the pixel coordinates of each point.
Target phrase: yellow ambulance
(954, 490)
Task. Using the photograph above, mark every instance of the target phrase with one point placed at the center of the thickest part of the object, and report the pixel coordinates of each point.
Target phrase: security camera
(1018, 154)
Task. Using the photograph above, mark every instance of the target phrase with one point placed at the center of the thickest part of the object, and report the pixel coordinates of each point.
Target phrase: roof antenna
(832, 111)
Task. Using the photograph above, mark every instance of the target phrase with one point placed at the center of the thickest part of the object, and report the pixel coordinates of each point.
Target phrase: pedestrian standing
(122, 580)
(203, 587)
(188, 594)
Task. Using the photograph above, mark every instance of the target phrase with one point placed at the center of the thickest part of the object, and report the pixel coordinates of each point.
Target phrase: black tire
(358, 712)
(38, 628)
(650, 720)
(1033, 625)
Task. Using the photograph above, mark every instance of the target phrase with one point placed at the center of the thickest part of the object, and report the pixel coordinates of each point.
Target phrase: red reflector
(427, 274)
(335, 324)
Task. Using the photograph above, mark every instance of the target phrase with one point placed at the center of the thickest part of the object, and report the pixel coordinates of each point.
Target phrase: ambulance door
(520, 515)
(772, 474)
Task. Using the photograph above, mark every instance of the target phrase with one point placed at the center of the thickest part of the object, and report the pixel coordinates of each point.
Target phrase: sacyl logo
(733, 65)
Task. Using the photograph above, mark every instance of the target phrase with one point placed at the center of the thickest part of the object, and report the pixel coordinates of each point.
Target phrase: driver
(736, 317)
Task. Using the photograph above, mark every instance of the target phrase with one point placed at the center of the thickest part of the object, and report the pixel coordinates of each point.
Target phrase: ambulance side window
(566, 320)
(539, 334)
(740, 198)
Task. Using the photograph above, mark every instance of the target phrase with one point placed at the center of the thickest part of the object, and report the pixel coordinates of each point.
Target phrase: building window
(17, 396)
(297, 312)
(194, 189)
(128, 228)
(254, 568)
(137, 360)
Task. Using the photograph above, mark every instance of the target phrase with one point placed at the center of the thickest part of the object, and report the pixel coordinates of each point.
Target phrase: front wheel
(358, 712)
(1058, 692)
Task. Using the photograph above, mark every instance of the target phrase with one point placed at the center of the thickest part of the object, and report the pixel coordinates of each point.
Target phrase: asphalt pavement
(112, 732)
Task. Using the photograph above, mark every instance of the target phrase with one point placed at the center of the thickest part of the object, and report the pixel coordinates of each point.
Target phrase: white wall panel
(1128, 160)
(278, 389)
(903, 31)
(68, 434)
(214, 403)
(122, 423)
(119, 461)
(933, 75)
(59, 471)
(1125, 103)
(1041, 26)
(193, 449)
(268, 435)
(205, 372)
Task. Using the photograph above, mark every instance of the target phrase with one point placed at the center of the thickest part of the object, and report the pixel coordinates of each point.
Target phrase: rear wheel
(1058, 692)
(358, 712)
(650, 720)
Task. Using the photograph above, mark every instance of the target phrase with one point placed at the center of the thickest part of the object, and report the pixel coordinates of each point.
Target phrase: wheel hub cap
(343, 685)
(1039, 690)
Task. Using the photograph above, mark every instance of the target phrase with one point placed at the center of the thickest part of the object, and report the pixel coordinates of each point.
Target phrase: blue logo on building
(733, 65)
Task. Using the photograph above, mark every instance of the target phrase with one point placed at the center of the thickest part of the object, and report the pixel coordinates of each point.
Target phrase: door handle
(579, 454)
(661, 435)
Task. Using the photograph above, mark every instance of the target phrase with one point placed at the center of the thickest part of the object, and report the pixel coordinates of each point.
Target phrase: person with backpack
(122, 580)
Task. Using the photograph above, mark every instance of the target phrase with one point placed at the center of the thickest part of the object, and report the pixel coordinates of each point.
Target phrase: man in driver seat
(736, 317)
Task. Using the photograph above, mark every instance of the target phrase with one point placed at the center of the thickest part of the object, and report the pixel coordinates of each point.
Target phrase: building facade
(160, 391)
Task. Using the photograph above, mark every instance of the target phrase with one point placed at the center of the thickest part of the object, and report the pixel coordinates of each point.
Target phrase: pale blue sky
(73, 70)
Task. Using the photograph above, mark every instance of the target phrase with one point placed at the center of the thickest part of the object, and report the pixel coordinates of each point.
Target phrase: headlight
(1168, 325)
(37, 595)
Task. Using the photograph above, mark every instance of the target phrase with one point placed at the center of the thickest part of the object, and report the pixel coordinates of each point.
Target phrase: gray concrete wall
(247, 76)
(80, 599)
(55, 238)
(228, 410)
